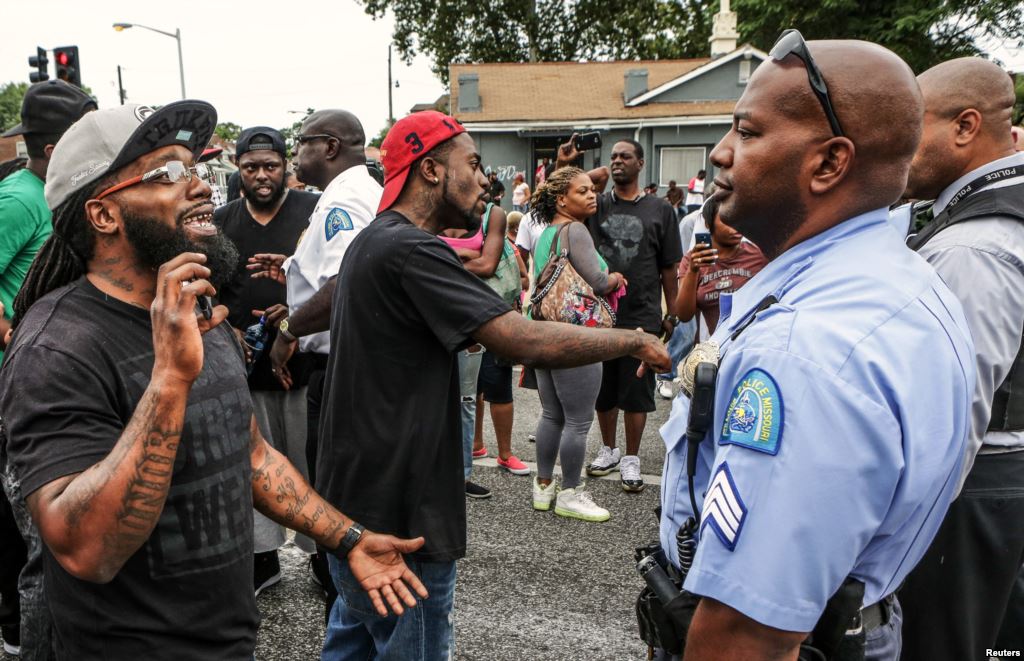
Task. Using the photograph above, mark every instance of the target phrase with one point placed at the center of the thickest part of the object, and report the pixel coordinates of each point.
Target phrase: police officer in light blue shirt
(843, 396)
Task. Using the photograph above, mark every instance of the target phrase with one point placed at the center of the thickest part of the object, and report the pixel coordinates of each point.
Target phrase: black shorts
(495, 381)
(621, 389)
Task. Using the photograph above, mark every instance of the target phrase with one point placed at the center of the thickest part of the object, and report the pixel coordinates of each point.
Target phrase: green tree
(546, 30)
(923, 32)
(11, 96)
(227, 131)
(290, 132)
(376, 140)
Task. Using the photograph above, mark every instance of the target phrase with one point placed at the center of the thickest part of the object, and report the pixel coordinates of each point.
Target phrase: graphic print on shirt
(754, 417)
(621, 235)
(337, 220)
(206, 522)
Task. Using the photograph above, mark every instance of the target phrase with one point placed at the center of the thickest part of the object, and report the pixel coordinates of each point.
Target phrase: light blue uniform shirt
(841, 415)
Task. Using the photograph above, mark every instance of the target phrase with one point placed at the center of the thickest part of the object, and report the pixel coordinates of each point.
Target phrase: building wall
(719, 84)
(506, 153)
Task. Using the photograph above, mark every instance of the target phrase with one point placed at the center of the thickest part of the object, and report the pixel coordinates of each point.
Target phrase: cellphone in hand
(587, 141)
(702, 237)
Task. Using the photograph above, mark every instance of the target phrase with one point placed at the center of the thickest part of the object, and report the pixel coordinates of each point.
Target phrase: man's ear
(832, 163)
(968, 126)
(48, 150)
(432, 171)
(103, 216)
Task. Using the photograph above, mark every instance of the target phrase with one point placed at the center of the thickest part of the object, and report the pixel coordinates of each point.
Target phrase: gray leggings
(567, 397)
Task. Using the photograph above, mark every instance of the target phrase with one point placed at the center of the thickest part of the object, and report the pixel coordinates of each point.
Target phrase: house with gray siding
(519, 113)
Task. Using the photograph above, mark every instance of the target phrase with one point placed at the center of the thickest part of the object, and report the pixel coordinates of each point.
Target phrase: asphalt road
(533, 585)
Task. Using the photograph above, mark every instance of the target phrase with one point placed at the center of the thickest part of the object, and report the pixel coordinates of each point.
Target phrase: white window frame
(682, 180)
(745, 67)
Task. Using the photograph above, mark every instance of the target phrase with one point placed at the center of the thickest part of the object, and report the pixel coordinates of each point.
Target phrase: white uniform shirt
(347, 206)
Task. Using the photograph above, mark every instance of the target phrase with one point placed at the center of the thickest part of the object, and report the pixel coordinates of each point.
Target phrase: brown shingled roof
(573, 91)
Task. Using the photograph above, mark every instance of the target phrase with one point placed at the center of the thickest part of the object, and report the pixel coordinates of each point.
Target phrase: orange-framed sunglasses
(172, 172)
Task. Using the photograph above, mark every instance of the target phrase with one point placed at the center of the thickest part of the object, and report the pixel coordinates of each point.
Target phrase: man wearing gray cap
(131, 433)
(47, 110)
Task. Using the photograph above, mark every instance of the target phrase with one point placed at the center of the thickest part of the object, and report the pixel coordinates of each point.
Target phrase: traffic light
(65, 60)
(40, 64)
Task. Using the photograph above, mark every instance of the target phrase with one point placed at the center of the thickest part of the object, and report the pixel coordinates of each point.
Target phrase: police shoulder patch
(754, 417)
(723, 509)
(337, 220)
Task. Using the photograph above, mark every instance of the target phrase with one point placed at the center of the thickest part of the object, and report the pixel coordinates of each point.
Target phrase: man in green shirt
(47, 111)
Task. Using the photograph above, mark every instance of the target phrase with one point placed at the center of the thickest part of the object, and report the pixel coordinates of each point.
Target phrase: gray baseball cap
(106, 140)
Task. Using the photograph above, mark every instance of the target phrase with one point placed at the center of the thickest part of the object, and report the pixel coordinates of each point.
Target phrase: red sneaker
(513, 465)
(480, 454)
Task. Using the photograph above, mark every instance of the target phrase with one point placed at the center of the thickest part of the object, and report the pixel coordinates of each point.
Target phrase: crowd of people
(183, 378)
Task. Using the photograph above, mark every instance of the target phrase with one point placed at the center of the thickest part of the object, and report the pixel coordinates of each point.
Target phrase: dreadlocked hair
(63, 257)
(545, 200)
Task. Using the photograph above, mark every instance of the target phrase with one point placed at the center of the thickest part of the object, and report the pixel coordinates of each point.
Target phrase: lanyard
(984, 181)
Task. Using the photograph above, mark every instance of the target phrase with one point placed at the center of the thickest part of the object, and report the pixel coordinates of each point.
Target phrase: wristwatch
(282, 328)
(671, 318)
(349, 541)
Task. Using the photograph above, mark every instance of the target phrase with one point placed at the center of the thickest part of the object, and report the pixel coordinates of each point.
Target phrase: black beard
(471, 222)
(276, 193)
(156, 244)
(623, 178)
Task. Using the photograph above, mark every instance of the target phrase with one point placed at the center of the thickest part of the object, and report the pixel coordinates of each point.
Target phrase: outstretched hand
(377, 563)
(567, 152)
(653, 355)
(267, 265)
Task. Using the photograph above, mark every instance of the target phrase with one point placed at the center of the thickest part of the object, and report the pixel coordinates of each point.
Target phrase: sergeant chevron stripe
(723, 508)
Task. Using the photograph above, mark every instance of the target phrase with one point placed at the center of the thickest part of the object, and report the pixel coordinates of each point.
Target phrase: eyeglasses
(172, 172)
(303, 139)
(791, 42)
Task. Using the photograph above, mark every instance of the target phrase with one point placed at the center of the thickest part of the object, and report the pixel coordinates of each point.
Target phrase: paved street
(533, 585)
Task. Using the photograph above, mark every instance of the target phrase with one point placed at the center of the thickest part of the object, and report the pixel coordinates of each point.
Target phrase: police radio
(702, 414)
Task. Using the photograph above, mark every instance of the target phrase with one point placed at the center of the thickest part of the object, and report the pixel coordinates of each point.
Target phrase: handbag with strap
(505, 282)
(563, 295)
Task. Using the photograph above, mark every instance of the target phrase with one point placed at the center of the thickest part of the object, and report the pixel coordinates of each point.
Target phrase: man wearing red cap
(403, 306)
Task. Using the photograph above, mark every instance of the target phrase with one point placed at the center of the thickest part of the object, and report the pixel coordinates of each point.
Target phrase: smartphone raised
(702, 237)
(587, 141)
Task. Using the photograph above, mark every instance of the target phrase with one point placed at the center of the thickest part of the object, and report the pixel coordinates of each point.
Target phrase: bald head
(970, 82)
(340, 123)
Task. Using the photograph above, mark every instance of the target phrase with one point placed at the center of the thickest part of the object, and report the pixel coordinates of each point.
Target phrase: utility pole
(391, 107)
(120, 87)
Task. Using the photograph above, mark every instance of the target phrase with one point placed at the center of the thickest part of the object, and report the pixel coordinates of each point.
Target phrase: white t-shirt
(697, 195)
(529, 231)
(347, 205)
(519, 194)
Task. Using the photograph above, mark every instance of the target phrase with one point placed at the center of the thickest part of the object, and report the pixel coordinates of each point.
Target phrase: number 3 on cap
(414, 140)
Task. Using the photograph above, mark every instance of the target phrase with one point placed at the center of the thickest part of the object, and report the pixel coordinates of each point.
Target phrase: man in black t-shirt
(129, 424)
(638, 235)
(269, 218)
(403, 306)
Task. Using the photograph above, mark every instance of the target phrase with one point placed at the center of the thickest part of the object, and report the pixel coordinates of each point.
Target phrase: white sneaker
(607, 460)
(542, 496)
(629, 471)
(577, 504)
(666, 389)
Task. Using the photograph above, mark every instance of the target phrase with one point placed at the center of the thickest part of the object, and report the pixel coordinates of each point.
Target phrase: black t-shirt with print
(76, 370)
(637, 238)
(391, 429)
(243, 294)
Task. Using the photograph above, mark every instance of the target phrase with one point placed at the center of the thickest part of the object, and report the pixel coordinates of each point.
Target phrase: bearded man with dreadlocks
(129, 424)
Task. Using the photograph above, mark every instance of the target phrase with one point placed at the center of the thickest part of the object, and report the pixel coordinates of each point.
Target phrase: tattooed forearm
(95, 520)
(280, 492)
(554, 345)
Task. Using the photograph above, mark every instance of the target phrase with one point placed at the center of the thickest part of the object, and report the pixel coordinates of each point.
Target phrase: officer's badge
(754, 417)
(705, 352)
(337, 220)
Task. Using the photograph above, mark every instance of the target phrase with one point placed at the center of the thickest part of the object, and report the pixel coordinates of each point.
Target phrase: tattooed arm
(95, 520)
(554, 345)
(281, 493)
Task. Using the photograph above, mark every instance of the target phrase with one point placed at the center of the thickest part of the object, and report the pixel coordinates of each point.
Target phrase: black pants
(955, 599)
(314, 400)
(13, 555)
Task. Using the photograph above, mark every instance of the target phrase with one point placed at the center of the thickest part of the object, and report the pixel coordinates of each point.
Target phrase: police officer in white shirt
(331, 157)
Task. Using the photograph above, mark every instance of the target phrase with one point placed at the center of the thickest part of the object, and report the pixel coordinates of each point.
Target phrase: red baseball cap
(408, 140)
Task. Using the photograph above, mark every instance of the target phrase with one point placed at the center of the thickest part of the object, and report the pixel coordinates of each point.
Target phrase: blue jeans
(469, 370)
(355, 630)
(886, 642)
(679, 345)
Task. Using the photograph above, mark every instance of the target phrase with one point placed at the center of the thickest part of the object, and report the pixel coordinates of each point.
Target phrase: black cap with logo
(51, 107)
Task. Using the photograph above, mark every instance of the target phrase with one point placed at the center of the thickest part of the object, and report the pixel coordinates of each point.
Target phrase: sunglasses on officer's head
(792, 43)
